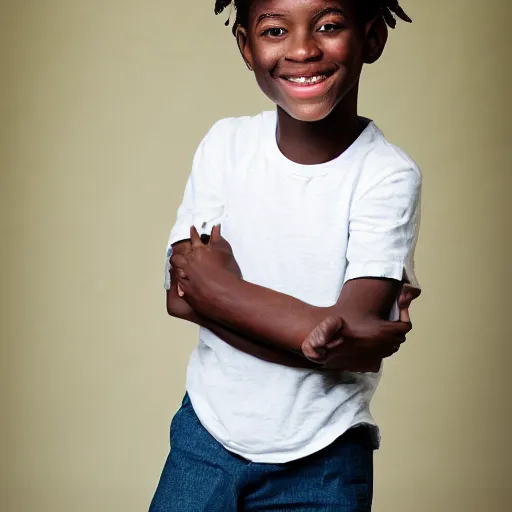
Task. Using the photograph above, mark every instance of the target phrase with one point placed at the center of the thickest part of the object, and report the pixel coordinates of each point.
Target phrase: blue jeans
(200, 475)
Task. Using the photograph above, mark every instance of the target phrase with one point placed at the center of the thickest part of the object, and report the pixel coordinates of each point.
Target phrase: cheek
(264, 67)
(344, 51)
(265, 57)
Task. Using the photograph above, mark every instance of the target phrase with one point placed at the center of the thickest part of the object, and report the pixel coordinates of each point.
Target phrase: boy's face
(308, 54)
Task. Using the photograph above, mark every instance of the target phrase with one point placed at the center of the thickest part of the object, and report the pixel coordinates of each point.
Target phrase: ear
(243, 45)
(376, 35)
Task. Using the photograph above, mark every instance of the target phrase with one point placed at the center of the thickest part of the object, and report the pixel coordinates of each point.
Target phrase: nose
(303, 48)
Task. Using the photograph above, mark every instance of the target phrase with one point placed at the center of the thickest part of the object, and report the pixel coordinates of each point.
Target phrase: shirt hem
(286, 456)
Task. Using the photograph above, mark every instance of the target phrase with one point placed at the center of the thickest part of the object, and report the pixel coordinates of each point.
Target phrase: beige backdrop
(102, 105)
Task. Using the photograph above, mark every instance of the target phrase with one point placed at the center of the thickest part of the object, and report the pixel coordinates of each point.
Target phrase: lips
(307, 86)
(307, 77)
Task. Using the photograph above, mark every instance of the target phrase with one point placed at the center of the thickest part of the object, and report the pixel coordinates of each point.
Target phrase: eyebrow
(318, 15)
(267, 15)
(329, 10)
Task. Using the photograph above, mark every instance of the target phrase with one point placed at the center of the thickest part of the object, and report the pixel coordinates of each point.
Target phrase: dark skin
(211, 283)
(178, 307)
(289, 38)
(285, 40)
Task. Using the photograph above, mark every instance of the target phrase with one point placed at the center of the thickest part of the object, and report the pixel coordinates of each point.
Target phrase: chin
(308, 113)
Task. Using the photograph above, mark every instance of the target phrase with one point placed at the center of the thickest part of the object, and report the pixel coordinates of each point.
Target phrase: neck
(310, 143)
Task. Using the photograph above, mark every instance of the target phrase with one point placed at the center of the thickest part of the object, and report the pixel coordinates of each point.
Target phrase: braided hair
(387, 8)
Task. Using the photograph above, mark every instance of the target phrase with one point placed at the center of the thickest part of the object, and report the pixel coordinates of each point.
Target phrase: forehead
(291, 6)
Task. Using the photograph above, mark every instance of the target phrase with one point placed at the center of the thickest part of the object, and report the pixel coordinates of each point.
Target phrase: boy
(321, 214)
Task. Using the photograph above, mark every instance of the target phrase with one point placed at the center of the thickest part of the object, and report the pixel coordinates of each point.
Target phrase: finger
(183, 284)
(312, 353)
(195, 238)
(404, 316)
(400, 339)
(179, 261)
(331, 325)
(396, 329)
(405, 299)
(396, 344)
(181, 275)
(334, 343)
(389, 347)
(408, 293)
(215, 236)
(389, 350)
(325, 331)
(395, 349)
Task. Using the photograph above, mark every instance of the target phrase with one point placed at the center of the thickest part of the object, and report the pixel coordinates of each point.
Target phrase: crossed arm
(354, 333)
(178, 307)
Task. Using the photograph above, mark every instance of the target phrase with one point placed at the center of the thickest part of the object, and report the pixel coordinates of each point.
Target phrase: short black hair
(368, 8)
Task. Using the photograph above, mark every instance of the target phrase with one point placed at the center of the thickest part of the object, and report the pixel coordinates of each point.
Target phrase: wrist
(218, 293)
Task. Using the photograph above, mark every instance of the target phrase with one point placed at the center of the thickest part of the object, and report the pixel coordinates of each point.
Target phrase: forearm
(276, 319)
(257, 349)
(260, 313)
(177, 307)
(284, 321)
(256, 346)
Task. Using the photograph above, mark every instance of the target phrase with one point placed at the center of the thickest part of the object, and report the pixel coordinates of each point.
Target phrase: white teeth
(307, 79)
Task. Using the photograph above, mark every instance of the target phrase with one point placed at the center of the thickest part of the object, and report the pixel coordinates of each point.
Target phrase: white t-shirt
(303, 230)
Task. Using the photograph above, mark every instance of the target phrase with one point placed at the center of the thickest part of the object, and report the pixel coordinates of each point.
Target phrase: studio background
(102, 106)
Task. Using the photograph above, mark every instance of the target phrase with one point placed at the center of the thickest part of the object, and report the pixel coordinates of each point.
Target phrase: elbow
(179, 308)
(171, 309)
(174, 305)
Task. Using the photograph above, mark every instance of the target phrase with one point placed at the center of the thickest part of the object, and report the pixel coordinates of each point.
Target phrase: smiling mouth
(308, 79)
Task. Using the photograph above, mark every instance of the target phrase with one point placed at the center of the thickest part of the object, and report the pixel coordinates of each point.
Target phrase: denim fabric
(200, 475)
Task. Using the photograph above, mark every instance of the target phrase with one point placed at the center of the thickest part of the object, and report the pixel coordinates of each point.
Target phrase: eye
(274, 32)
(330, 27)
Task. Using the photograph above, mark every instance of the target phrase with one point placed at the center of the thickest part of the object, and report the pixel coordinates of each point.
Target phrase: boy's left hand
(328, 339)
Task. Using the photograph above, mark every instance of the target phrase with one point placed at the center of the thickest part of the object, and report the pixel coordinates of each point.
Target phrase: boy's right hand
(216, 243)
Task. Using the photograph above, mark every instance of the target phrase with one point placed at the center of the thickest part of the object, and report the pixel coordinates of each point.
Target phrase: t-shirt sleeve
(203, 201)
(384, 224)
